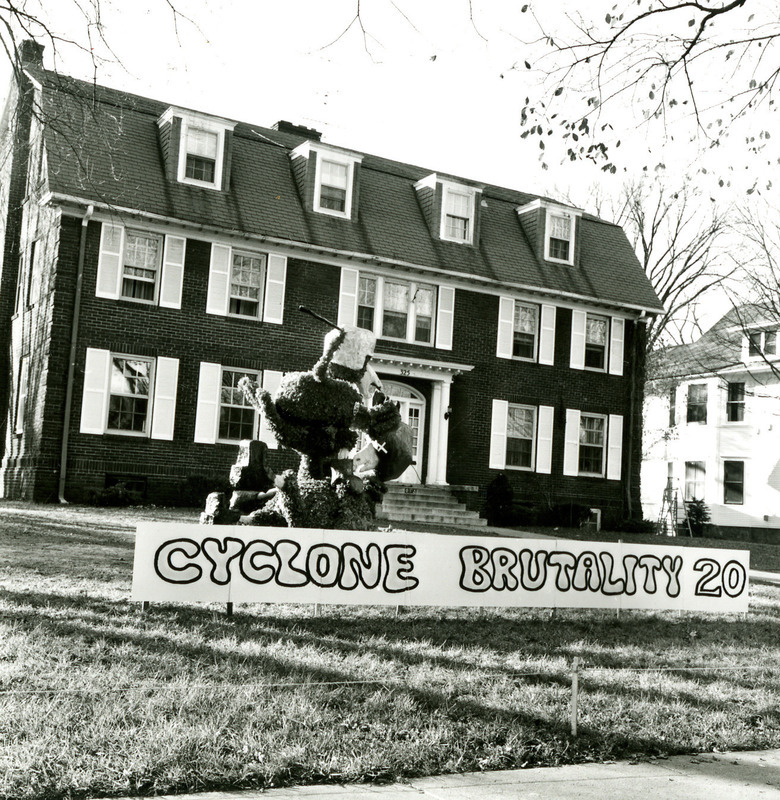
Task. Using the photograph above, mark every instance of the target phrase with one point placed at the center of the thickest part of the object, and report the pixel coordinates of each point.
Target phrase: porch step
(426, 504)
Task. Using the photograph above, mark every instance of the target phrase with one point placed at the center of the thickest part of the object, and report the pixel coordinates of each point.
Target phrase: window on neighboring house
(695, 474)
(525, 330)
(672, 406)
(238, 418)
(247, 278)
(396, 309)
(128, 403)
(697, 403)
(521, 435)
(592, 440)
(734, 482)
(762, 343)
(596, 333)
(735, 403)
(458, 215)
(202, 148)
(141, 266)
(334, 183)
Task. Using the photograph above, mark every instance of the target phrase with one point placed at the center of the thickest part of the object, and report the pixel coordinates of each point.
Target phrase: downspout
(74, 332)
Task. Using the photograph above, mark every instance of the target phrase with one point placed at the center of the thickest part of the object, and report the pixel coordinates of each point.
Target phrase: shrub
(564, 515)
(636, 526)
(116, 495)
(698, 516)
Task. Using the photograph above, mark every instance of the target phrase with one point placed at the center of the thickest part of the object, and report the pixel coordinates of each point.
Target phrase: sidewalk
(714, 776)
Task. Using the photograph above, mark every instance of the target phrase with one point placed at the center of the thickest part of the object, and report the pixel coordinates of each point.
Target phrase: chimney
(29, 53)
(283, 126)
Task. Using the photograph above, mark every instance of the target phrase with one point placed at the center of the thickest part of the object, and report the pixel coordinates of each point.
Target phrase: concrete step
(461, 519)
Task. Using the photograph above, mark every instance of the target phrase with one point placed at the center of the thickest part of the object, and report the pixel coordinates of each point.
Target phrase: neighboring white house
(712, 425)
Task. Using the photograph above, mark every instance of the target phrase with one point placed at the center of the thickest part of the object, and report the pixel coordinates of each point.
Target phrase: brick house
(154, 254)
(711, 430)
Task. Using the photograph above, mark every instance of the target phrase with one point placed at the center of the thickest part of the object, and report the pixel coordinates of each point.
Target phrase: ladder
(669, 522)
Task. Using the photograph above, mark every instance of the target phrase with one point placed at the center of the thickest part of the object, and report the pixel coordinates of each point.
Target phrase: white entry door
(412, 407)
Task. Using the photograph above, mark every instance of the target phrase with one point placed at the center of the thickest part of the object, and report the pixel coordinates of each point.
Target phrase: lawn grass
(98, 699)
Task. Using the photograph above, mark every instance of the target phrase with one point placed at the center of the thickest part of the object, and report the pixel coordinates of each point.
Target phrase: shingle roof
(718, 349)
(103, 146)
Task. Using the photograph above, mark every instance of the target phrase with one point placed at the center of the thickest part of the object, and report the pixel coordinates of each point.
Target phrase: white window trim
(158, 279)
(411, 321)
(535, 410)
(738, 460)
(344, 162)
(206, 123)
(542, 439)
(762, 355)
(560, 214)
(257, 375)
(146, 433)
(471, 193)
(604, 446)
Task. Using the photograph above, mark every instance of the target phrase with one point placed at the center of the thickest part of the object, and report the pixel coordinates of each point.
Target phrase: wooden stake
(575, 691)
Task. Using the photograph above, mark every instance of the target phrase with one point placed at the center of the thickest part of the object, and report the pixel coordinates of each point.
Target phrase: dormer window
(559, 240)
(194, 147)
(762, 343)
(201, 151)
(332, 186)
(328, 177)
(458, 216)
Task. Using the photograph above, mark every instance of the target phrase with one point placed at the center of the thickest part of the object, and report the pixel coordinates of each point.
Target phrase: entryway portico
(433, 444)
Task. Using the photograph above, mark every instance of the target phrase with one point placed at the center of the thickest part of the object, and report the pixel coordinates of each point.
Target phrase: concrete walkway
(714, 776)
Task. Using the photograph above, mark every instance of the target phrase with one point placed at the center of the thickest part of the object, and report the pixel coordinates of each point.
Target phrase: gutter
(74, 332)
(327, 254)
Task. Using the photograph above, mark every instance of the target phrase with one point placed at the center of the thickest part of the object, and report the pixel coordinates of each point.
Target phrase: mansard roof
(103, 147)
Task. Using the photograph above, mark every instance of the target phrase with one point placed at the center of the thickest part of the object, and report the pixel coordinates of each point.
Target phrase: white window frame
(550, 215)
(607, 335)
(264, 277)
(534, 434)
(762, 352)
(471, 194)
(158, 268)
(706, 403)
(542, 441)
(693, 483)
(411, 321)
(209, 126)
(744, 480)
(734, 404)
(538, 309)
(604, 445)
(325, 153)
(253, 373)
(614, 349)
(145, 433)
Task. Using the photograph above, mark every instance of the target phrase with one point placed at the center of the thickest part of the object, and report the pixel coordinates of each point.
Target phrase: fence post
(229, 610)
(575, 691)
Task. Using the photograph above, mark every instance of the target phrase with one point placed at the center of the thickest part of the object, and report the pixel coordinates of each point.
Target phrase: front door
(412, 407)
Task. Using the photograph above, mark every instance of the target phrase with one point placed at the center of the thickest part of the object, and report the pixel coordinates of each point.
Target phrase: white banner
(244, 564)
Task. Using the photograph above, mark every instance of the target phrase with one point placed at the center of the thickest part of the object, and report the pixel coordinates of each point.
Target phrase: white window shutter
(166, 379)
(578, 321)
(348, 296)
(614, 447)
(547, 336)
(109, 272)
(544, 439)
(276, 278)
(94, 402)
(445, 317)
(616, 346)
(271, 381)
(498, 434)
(207, 409)
(172, 272)
(571, 451)
(219, 280)
(506, 323)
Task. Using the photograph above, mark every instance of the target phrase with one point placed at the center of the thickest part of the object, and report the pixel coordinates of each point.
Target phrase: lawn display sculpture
(322, 414)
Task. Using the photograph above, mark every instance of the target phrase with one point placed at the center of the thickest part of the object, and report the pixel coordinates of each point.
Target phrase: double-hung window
(525, 330)
(129, 388)
(247, 279)
(238, 418)
(141, 266)
(592, 444)
(129, 394)
(596, 332)
(734, 482)
(520, 437)
(762, 343)
(201, 151)
(695, 473)
(735, 402)
(395, 309)
(559, 237)
(697, 403)
(458, 215)
(333, 186)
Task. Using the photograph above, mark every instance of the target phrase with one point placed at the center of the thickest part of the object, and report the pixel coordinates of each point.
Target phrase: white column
(444, 433)
(435, 416)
